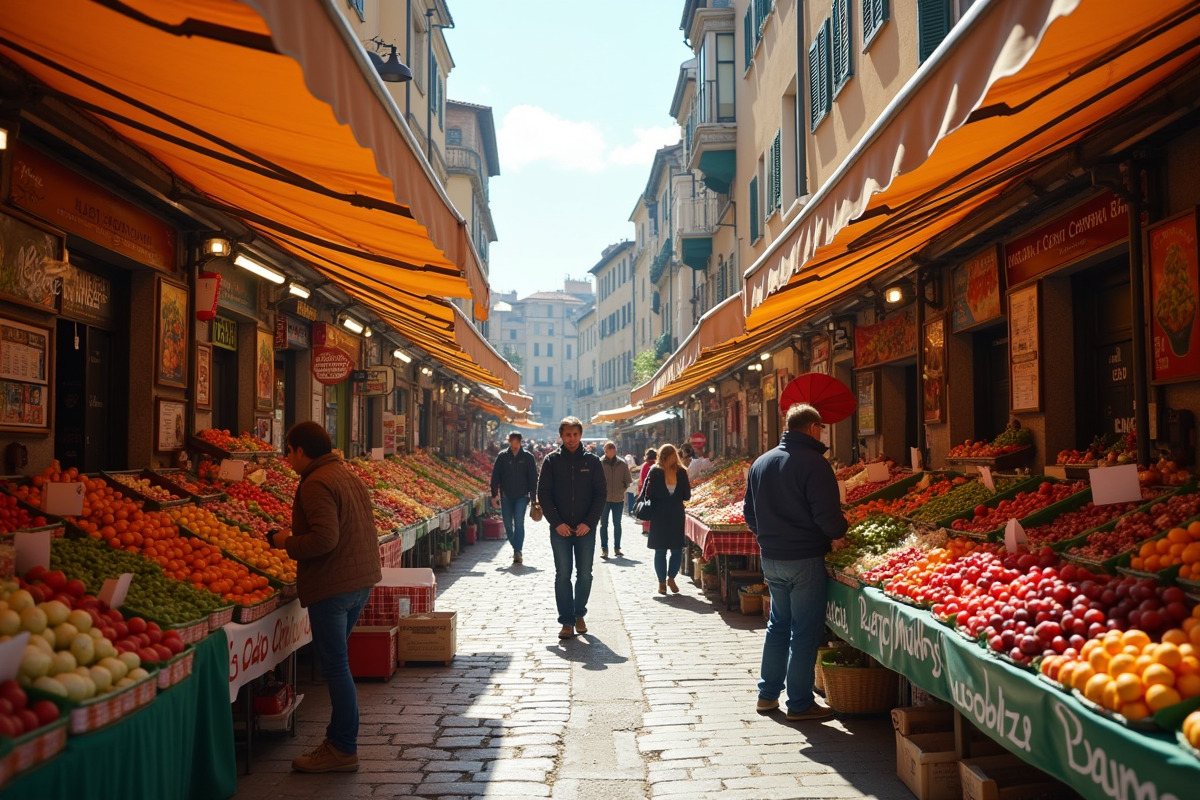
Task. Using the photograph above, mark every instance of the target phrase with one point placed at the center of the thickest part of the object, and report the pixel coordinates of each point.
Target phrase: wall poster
(934, 377)
(169, 425)
(203, 375)
(864, 392)
(892, 339)
(975, 288)
(264, 370)
(24, 375)
(171, 364)
(1174, 294)
(1024, 350)
(820, 355)
(32, 263)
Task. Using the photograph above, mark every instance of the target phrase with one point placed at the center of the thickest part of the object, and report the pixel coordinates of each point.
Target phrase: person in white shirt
(699, 466)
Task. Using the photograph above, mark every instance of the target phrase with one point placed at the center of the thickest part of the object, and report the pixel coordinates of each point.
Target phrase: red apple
(46, 711)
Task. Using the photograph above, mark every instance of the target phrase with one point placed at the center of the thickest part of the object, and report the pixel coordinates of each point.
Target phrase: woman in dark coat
(667, 489)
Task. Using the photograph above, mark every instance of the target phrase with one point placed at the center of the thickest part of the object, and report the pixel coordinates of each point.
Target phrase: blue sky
(581, 96)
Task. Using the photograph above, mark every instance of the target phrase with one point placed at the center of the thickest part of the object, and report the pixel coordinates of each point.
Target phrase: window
(549, 374)
(843, 64)
(773, 183)
(549, 349)
(537, 375)
(933, 23)
(725, 83)
(537, 349)
(874, 14)
(762, 8)
(453, 135)
(512, 334)
(754, 232)
(748, 38)
(568, 352)
(434, 83)
(818, 77)
(551, 331)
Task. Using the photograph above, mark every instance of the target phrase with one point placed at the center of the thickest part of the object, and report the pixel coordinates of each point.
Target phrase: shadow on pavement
(586, 649)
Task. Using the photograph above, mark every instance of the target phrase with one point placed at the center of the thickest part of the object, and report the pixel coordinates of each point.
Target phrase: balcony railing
(696, 214)
(464, 159)
(706, 111)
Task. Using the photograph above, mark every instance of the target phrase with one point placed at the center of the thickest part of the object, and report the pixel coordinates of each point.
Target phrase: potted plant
(444, 545)
(708, 575)
(855, 683)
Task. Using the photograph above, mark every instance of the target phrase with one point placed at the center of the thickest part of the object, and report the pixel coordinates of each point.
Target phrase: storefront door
(89, 429)
(225, 390)
(991, 382)
(1103, 347)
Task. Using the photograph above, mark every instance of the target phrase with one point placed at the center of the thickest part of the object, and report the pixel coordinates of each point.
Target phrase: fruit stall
(137, 694)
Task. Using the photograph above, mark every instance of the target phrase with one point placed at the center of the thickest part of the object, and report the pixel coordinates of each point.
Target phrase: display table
(179, 746)
(721, 542)
(1043, 725)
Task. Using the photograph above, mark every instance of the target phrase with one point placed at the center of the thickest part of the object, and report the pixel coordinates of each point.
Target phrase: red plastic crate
(372, 651)
(391, 553)
(493, 529)
(418, 585)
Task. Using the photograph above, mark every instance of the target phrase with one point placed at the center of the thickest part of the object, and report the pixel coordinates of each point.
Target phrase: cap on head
(514, 435)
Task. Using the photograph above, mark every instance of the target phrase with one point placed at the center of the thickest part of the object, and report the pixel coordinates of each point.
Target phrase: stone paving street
(656, 700)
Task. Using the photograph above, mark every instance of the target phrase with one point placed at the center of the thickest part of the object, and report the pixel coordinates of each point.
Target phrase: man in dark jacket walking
(514, 482)
(792, 505)
(572, 490)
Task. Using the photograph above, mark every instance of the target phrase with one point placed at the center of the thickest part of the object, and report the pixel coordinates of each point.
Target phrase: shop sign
(291, 333)
(699, 440)
(389, 433)
(975, 285)
(333, 354)
(87, 297)
(1083, 230)
(238, 290)
(74, 203)
(224, 333)
(303, 309)
(890, 340)
(1174, 296)
(31, 263)
(256, 647)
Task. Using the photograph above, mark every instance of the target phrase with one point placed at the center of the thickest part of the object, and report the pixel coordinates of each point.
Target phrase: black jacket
(515, 476)
(572, 488)
(792, 501)
(666, 520)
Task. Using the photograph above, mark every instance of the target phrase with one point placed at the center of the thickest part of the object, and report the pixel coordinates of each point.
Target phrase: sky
(581, 97)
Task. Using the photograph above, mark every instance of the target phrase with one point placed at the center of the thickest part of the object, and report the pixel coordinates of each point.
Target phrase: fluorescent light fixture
(367, 333)
(216, 246)
(763, 356)
(258, 269)
(3, 139)
(403, 356)
(352, 325)
(299, 291)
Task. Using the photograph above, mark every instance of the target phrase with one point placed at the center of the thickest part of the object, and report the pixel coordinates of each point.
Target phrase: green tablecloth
(180, 746)
(1044, 726)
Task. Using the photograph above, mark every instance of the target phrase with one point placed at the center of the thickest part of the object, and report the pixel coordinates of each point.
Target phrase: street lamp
(392, 70)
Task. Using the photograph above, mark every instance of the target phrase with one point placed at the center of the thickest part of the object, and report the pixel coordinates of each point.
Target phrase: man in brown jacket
(336, 548)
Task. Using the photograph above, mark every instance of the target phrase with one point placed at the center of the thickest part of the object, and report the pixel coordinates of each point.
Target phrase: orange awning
(721, 323)
(618, 414)
(275, 117)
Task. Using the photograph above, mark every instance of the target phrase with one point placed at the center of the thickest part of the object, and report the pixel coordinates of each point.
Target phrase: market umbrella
(826, 394)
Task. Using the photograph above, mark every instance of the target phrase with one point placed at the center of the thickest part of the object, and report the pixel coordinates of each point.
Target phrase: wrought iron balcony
(464, 160)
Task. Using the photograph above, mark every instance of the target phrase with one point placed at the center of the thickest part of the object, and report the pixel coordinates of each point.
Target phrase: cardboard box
(372, 651)
(427, 637)
(928, 765)
(970, 742)
(1007, 777)
(418, 585)
(908, 720)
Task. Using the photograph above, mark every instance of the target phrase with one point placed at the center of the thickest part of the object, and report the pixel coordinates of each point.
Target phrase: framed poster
(1174, 294)
(171, 364)
(820, 355)
(32, 263)
(264, 369)
(782, 379)
(889, 340)
(864, 391)
(975, 288)
(262, 428)
(169, 425)
(25, 378)
(203, 375)
(933, 345)
(1024, 350)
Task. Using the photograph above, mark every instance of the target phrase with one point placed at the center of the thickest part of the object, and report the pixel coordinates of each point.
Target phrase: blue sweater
(792, 502)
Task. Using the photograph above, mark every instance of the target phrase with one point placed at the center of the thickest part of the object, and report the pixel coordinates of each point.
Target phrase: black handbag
(641, 507)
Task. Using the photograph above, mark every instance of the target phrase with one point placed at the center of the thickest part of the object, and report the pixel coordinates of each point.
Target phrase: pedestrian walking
(618, 479)
(632, 489)
(572, 491)
(514, 484)
(667, 488)
(336, 548)
(647, 463)
(793, 507)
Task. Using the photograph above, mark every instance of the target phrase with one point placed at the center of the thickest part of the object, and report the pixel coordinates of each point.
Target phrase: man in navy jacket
(793, 506)
(572, 490)
(514, 482)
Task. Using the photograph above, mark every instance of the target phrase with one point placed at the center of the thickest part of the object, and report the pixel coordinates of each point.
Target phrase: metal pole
(920, 287)
(429, 87)
(1137, 285)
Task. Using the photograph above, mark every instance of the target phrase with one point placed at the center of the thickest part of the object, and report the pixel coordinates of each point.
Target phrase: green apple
(10, 622)
(56, 612)
(64, 634)
(33, 619)
(51, 686)
(35, 662)
(115, 666)
(102, 678)
(84, 649)
(81, 619)
(20, 600)
(62, 661)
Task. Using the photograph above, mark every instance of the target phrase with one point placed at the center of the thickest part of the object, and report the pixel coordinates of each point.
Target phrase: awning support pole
(1137, 285)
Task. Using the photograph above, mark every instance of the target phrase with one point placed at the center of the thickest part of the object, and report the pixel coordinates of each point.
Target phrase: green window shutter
(874, 14)
(823, 55)
(754, 209)
(843, 65)
(815, 111)
(933, 23)
(777, 170)
(748, 36)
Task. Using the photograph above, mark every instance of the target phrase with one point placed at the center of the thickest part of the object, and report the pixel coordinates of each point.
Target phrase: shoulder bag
(641, 507)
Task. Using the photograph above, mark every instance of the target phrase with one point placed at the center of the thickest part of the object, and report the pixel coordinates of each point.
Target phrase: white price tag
(841, 491)
(33, 550)
(985, 475)
(258, 477)
(10, 655)
(232, 470)
(1014, 536)
(113, 592)
(916, 460)
(377, 454)
(1115, 485)
(63, 499)
(877, 471)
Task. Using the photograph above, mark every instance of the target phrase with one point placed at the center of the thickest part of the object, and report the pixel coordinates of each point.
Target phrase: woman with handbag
(647, 463)
(666, 489)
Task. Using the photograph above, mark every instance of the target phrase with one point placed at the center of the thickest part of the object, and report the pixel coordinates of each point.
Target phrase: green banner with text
(1047, 728)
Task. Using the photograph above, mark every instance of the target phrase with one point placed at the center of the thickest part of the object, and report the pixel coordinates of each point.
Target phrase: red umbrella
(827, 394)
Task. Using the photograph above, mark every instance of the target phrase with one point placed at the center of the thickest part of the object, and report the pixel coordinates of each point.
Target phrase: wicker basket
(709, 582)
(859, 690)
(818, 676)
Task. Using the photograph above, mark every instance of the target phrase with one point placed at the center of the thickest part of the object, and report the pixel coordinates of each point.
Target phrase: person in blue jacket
(794, 509)
(514, 482)
(572, 490)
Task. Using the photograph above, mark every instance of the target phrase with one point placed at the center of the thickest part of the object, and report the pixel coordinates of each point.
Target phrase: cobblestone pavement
(656, 700)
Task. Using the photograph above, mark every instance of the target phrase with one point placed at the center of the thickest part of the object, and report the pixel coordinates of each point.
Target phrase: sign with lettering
(31, 263)
(1083, 230)
(87, 297)
(379, 381)
(224, 333)
(239, 289)
(334, 353)
(303, 309)
(258, 646)
(75, 203)
(291, 333)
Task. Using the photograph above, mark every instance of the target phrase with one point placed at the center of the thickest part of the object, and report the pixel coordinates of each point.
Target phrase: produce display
(15, 518)
(145, 488)
(396, 475)
(184, 481)
(18, 715)
(404, 510)
(243, 443)
(1135, 528)
(858, 487)
(280, 477)
(959, 498)
(260, 502)
(238, 514)
(236, 542)
(717, 498)
(1012, 439)
(926, 489)
(1179, 546)
(456, 479)
(479, 465)
(1074, 523)
(874, 535)
(987, 518)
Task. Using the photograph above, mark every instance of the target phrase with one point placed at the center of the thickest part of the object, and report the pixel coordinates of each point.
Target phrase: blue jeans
(582, 551)
(512, 511)
(660, 563)
(629, 498)
(331, 620)
(613, 510)
(793, 631)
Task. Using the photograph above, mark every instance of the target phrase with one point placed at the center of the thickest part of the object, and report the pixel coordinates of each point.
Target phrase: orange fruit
(1176, 636)
(1159, 697)
(1158, 674)
(1134, 711)
(1099, 659)
(1129, 687)
(1120, 663)
(1168, 655)
(1188, 686)
(1096, 687)
(1137, 638)
(1083, 672)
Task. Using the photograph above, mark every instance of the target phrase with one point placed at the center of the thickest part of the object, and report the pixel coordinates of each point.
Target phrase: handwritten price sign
(258, 646)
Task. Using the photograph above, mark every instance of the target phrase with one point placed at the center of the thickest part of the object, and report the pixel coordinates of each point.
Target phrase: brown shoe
(815, 711)
(567, 632)
(580, 625)
(662, 587)
(672, 585)
(326, 758)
